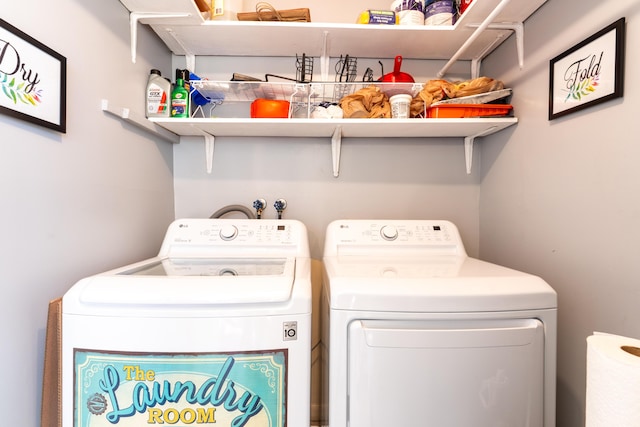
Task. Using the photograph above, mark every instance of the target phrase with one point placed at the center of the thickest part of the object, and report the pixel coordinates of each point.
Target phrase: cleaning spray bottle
(180, 100)
(158, 95)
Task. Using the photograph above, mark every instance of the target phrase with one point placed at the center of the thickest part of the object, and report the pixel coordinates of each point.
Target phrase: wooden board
(203, 6)
(290, 15)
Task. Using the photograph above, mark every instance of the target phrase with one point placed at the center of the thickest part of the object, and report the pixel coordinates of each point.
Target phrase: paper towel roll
(613, 381)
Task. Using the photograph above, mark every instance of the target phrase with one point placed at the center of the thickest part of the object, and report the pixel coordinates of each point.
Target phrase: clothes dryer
(214, 330)
(416, 333)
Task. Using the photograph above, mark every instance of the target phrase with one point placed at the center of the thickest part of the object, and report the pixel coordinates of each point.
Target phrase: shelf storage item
(483, 26)
(479, 30)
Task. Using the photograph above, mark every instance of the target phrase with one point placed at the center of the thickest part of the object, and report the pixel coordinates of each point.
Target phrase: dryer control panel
(354, 237)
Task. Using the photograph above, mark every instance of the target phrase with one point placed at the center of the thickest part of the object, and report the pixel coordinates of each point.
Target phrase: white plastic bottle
(158, 95)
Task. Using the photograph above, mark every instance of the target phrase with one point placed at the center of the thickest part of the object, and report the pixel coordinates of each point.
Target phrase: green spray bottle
(180, 100)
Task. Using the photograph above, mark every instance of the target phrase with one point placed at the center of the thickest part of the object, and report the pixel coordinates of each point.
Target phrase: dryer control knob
(389, 232)
(228, 232)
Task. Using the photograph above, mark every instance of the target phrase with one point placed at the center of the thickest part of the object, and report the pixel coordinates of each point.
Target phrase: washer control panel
(209, 234)
(351, 236)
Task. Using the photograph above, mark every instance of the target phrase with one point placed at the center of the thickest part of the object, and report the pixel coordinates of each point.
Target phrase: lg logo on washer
(290, 331)
(238, 390)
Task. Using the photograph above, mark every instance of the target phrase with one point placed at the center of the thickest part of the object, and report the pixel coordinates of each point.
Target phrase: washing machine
(416, 333)
(214, 330)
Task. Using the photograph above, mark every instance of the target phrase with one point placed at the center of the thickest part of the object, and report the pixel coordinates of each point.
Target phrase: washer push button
(389, 232)
(228, 232)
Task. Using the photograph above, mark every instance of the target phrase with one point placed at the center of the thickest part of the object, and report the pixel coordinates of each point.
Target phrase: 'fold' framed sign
(589, 73)
(33, 80)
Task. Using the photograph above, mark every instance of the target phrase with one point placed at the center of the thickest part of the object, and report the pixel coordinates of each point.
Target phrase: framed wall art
(33, 80)
(589, 73)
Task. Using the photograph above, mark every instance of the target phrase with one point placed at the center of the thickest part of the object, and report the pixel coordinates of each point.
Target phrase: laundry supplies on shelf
(158, 95)
(180, 100)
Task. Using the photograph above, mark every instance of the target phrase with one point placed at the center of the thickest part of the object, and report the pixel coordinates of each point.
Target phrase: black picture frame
(589, 73)
(33, 80)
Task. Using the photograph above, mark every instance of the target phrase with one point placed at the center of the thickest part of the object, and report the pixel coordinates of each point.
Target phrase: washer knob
(389, 232)
(228, 232)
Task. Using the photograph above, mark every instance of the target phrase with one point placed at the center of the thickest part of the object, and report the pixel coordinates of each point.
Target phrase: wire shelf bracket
(135, 17)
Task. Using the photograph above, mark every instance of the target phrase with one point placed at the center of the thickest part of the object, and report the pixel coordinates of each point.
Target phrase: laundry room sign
(133, 389)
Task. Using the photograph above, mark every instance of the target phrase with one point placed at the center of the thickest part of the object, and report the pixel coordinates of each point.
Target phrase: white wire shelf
(314, 93)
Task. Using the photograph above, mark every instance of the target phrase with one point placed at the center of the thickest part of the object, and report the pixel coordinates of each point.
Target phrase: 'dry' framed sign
(33, 80)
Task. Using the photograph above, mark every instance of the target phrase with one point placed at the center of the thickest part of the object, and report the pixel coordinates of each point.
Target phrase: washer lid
(187, 267)
(199, 282)
(431, 284)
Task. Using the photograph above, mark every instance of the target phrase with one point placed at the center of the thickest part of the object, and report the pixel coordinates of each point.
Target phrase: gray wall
(561, 198)
(78, 203)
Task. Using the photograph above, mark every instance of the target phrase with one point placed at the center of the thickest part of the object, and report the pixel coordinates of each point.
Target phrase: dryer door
(483, 373)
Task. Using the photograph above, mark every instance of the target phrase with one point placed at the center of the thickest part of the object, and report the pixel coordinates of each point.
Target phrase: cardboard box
(51, 410)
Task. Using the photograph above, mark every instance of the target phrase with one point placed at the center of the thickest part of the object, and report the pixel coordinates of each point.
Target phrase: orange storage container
(459, 111)
(269, 109)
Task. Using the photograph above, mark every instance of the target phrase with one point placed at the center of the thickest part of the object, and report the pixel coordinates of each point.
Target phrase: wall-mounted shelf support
(190, 57)
(324, 58)
(468, 128)
(336, 147)
(134, 17)
(468, 146)
(140, 122)
(209, 141)
(481, 27)
(517, 27)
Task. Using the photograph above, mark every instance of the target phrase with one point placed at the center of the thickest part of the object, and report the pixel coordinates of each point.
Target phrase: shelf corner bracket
(468, 146)
(336, 147)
